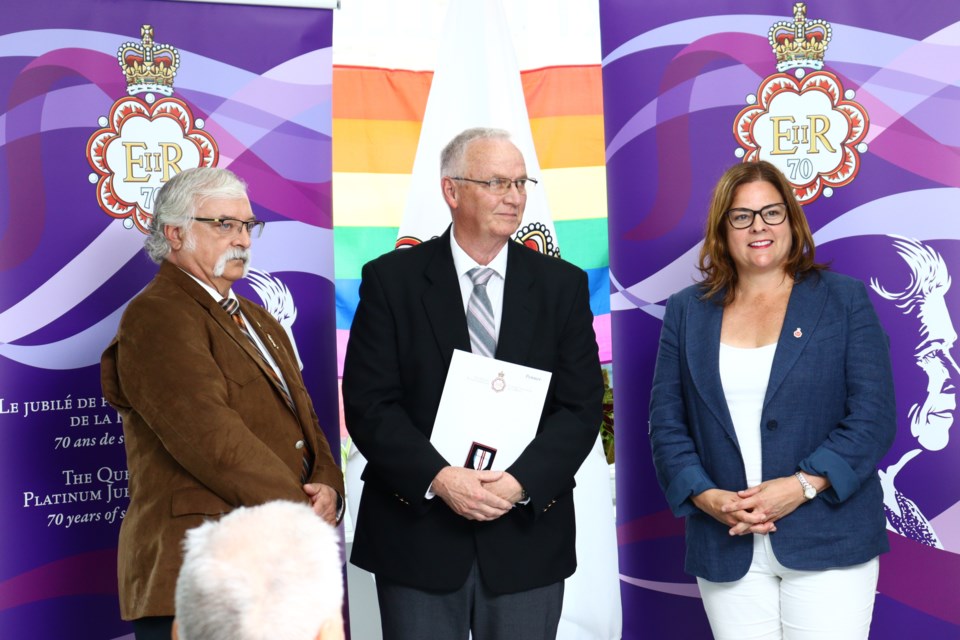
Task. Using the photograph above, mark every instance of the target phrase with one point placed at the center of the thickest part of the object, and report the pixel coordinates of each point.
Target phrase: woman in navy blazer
(772, 404)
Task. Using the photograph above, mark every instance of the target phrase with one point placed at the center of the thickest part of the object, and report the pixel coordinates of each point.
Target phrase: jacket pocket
(193, 501)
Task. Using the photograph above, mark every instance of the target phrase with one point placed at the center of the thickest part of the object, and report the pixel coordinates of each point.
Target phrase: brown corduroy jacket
(206, 428)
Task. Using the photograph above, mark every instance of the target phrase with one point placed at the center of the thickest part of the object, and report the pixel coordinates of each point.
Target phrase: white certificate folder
(489, 411)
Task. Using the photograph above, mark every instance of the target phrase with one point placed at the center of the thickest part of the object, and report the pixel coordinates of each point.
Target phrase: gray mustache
(237, 253)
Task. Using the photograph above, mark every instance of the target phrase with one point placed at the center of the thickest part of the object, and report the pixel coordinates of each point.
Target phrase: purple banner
(857, 106)
(100, 103)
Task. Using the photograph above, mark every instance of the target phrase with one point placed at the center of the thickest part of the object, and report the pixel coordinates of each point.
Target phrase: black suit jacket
(409, 321)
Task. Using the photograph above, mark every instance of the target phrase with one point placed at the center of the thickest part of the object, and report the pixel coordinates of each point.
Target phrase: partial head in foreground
(261, 573)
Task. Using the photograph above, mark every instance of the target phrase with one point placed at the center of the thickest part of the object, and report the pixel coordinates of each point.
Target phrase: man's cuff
(524, 498)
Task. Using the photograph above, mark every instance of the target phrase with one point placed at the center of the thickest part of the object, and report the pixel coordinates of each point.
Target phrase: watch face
(809, 493)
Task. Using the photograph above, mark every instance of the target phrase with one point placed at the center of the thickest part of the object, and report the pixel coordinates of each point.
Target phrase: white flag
(476, 83)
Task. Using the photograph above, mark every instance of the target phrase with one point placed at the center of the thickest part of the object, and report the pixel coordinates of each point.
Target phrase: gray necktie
(480, 320)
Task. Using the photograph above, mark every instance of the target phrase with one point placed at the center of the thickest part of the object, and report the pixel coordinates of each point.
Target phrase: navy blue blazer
(828, 410)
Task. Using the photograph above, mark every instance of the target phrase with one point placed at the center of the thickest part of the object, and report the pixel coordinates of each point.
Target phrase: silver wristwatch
(808, 491)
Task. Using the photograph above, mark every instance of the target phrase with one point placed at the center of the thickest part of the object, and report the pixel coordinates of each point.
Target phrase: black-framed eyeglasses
(772, 214)
(233, 227)
(500, 186)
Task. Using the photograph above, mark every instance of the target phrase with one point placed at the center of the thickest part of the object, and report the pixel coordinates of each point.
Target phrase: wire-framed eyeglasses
(500, 186)
(772, 214)
(233, 227)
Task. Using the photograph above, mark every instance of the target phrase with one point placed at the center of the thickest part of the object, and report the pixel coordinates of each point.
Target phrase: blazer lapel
(225, 322)
(442, 301)
(519, 308)
(269, 344)
(803, 313)
(702, 339)
(204, 299)
(287, 364)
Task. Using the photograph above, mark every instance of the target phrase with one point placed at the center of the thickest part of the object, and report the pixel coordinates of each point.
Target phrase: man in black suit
(456, 549)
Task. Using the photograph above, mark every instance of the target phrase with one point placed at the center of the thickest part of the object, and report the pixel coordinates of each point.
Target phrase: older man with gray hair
(261, 573)
(215, 412)
(454, 549)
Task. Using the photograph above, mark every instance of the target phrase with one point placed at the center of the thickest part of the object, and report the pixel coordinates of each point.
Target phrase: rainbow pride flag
(377, 114)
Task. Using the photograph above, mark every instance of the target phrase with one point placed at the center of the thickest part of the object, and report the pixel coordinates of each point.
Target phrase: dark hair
(716, 264)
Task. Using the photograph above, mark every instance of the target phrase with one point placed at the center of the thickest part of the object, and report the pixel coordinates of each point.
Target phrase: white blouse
(744, 374)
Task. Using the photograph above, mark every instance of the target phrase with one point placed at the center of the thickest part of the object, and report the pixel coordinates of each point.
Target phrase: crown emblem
(800, 43)
(148, 66)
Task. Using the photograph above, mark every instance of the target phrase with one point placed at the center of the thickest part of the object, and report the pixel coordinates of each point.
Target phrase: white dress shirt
(463, 263)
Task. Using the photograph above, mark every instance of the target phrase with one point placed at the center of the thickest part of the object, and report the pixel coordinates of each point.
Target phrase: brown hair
(716, 265)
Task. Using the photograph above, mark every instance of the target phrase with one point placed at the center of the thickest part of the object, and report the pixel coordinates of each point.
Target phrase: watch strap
(809, 492)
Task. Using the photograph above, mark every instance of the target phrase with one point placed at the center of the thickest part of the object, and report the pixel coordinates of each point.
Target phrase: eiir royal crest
(145, 140)
(806, 124)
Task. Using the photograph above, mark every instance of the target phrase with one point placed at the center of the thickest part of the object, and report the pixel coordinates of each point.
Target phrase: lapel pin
(798, 333)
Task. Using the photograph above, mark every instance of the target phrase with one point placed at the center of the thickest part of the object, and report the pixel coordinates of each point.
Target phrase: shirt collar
(213, 292)
(463, 262)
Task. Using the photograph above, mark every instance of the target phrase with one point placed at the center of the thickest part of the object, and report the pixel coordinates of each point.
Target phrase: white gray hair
(178, 200)
(260, 573)
(451, 158)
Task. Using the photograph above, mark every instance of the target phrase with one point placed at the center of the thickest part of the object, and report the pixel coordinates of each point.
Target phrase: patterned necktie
(232, 307)
(480, 322)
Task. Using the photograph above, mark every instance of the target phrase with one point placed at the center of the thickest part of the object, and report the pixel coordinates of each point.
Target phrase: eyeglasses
(233, 227)
(500, 186)
(772, 214)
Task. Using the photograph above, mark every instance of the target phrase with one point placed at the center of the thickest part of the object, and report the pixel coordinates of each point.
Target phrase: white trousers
(773, 602)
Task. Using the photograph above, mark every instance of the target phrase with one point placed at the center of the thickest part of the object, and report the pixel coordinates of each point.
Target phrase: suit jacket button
(771, 424)
(300, 444)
